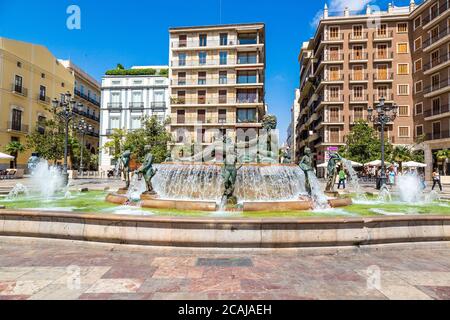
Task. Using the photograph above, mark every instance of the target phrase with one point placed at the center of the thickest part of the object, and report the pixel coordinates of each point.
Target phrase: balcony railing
(359, 76)
(327, 57)
(334, 36)
(213, 43)
(334, 119)
(137, 105)
(358, 56)
(21, 90)
(444, 7)
(383, 35)
(204, 63)
(389, 97)
(362, 97)
(334, 77)
(115, 105)
(204, 82)
(43, 99)
(18, 127)
(214, 101)
(353, 119)
(438, 86)
(361, 36)
(383, 55)
(433, 39)
(436, 62)
(160, 105)
(438, 135)
(383, 76)
(332, 98)
(435, 112)
(87, 98)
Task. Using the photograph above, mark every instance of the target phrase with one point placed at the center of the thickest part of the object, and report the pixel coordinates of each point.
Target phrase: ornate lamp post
(64, 108)
(83, 128)
(384, 114)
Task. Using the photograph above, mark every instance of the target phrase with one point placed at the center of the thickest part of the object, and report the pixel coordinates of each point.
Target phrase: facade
(30, 77)
(291, 132)
(348, 66)
(217, 76)
(430, 47)
(126, 99)
(87, 93)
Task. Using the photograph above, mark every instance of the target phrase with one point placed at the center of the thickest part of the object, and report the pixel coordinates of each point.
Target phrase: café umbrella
(6, 156)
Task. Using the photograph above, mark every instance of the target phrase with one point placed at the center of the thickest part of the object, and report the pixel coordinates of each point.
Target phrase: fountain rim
(221, 164)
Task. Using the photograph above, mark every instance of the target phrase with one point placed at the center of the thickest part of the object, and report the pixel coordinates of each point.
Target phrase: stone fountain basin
(153, 202)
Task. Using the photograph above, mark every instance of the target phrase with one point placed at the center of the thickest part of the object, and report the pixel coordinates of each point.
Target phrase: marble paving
(55, 269)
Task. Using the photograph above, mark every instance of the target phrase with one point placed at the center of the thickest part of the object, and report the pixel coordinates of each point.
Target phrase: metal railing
(21, 90)
(213, 43)
(333, 36)
(114, 105)
(363, 97)
(158, 105)
(204, 63)
(436, 62)
(203, 82)
(358, 56)
(87, 98)
(364, 76)
(438, 135)
(383, 76)
(383, 55)
(435, 112)
(43, 99)
(362, 36)
(19, 127)
(389, 97)
(433, 39)
(383, 35)
(433, 15)
(136, 105)
(438, 86)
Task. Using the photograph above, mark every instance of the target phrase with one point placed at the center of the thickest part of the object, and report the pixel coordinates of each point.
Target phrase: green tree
(401, 154)
(48, 139)
(115, 146)
(269, 122)
(442, 156)
(363, 144)
(14, 148)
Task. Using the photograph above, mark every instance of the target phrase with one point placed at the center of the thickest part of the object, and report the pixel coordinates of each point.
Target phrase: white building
(126, 99)
(291, 132)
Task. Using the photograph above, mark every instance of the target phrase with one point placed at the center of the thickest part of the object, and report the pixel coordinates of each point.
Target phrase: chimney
(325, 11)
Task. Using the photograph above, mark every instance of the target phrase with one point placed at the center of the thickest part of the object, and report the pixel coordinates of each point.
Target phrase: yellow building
(30, 77)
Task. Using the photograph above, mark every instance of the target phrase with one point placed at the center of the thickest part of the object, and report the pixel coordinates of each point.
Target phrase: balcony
(400, 140)
(383, 56)
(438, 135)
(333, 119)
(436, 112)
(435, 63)
(357, 118)
(215, 101)
(17, 127)
(43, 99)
(356, 37)
(436, 14)
(383, 35)
(20, 90)
(158, 105)
(333, 77)
(204, 63)
(205, 82)
(332, 98)
(210, 43)
(331, 37)
(138, 106)
(381, 77)
(387, 97)
(359, 98)
(432, 41)
(331, 57)
(359, 77)
(87, 97)
(358, 56)
(437, 88)
(115, 106)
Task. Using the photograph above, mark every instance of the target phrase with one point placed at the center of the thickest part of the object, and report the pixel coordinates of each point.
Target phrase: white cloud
(339, 6)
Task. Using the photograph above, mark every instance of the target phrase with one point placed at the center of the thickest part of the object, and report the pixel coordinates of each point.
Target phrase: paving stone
(27, 287)
(438, 293)
(224, 262)
(115, 286)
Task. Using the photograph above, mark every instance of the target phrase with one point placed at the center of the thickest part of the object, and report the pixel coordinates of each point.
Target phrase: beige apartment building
(217, 76)
(30, 77)
(87, 93)
(355, 59)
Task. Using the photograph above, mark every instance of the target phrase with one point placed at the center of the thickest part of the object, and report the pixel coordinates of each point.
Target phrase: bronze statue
(148, 172)
(125, 164)
(306, 166)
(229, 174)
(332, 171)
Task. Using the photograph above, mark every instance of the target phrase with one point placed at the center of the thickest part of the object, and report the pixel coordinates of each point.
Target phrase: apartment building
(30, 77)
(217, 76)
(291, 132)
(126, 99)
(87, 94)
(348, 66)
(430, 46)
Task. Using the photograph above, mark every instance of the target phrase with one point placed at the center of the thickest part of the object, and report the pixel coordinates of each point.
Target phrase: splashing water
(319, 198)
(411, 188)
(137, 187)
(18, 190)
(354, 180)
(47, 180)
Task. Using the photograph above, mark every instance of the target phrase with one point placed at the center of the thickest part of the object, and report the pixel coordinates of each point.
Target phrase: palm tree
(442, 157)
(14, 148)
(401, 154)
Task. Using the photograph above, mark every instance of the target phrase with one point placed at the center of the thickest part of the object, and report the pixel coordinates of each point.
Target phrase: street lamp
(83, 128)
(64, 109)
(382, 115)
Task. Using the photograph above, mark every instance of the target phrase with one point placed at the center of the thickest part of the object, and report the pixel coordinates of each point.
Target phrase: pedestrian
(342, 177)
(392, 177)
(436, 179)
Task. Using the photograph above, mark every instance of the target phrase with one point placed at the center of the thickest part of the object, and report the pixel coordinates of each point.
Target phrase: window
(403, 111)
(358, 53)
(334, 74)
(382, 92)
(357, 32)
(382, 72)
(246, 57)
(182, 59)
(417, 22)
(358, 113)
(41, 124)
(182, 41)
(434, 11)
(402, 47)
(435, 58)
(222, 115)
(418, 86)
(223, 77)
(203, 40)
(181, 97)
(382, 30)
(246, 115)
(403, 132)
(182, 78)
(402, 27)
(135, 123)
(419, 130)
(358, 93)
(402, 68)
(419, 108)
(247, 38)
(434, 34)
(202, 58)
(403, 89)
(16, 120)
(114, 83)
(334, 135)
(246, 77)
(201, 116)
(42, 93)
(436, 106)
(201, 135)
(435, 79)
(333, 54)
(246, 95)
(114, 123)
(136, 98)
(223, 57)
(43, 75)
(19, 64)
(436, 130)
(418, 65)
(18, 84)
(334, 33)
(382, 51)
(334, 93)
(181, 116)
(334, 115)
(224, 39)
(358, 73)
(201, 97)
(222, 96)
(202, 78)
(418, 44)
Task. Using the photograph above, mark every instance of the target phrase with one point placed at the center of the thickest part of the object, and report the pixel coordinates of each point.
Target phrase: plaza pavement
(58, 269)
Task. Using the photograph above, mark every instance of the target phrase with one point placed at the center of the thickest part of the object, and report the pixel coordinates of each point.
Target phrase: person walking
(342, 177)
(436, 179)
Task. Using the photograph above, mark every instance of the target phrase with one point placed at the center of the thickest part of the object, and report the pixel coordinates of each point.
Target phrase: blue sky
(135, 32)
